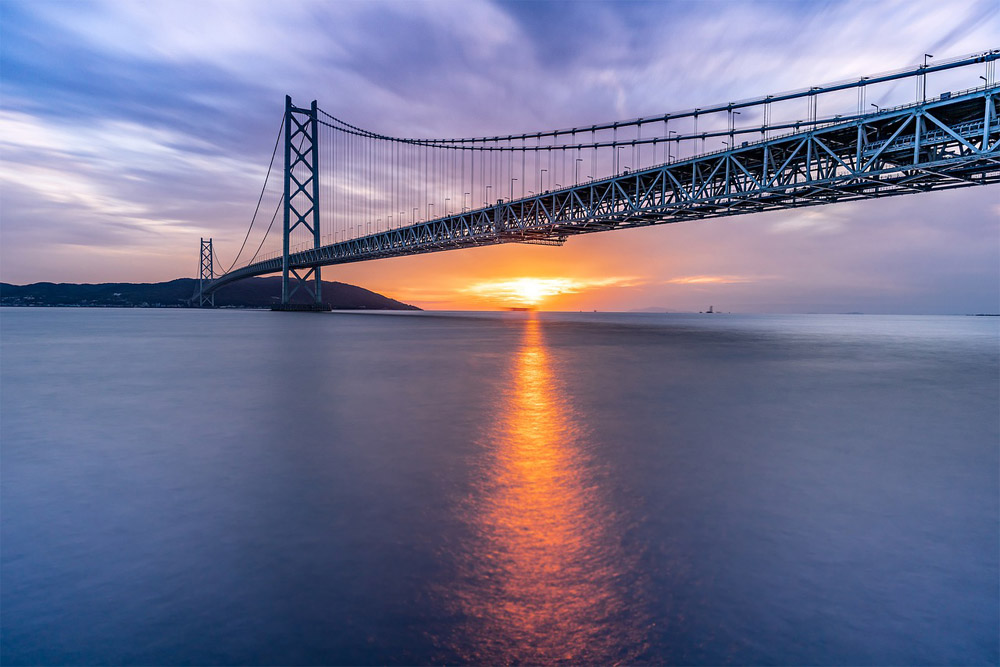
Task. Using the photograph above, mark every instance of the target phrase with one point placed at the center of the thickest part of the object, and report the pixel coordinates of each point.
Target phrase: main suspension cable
(263, 188)
(273, 218)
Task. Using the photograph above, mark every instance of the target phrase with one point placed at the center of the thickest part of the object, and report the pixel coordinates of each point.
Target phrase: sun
(533, 290)
(523, 291)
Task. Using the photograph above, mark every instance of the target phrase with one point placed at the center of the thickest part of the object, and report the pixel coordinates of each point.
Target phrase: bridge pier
(303, 307)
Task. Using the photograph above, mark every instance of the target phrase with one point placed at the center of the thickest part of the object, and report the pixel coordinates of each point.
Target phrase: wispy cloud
(813, 221)
(711, 280)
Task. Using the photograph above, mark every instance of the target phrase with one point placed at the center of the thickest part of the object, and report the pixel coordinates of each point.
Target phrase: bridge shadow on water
(544, 578)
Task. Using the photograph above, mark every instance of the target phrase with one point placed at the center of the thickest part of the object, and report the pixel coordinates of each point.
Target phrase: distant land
(248, 293)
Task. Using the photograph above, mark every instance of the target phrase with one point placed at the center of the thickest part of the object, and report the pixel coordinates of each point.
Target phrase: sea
(247, 487)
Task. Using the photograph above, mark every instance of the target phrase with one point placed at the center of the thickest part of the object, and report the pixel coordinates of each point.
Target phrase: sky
(128, 130)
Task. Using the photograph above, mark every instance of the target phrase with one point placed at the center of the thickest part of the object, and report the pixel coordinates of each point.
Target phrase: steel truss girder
(940, 144)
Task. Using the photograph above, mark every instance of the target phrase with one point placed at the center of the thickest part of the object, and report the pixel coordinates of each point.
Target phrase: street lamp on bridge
(923, 77)
(618, 158)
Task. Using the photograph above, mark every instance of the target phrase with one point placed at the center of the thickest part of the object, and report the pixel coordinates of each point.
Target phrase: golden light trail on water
(544, 577)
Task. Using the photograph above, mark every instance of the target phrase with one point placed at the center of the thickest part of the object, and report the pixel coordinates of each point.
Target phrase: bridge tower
(206, 274)
(301, 200)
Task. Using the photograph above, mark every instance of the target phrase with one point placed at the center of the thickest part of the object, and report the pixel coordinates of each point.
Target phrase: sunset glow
(523, 291)
(535, 291)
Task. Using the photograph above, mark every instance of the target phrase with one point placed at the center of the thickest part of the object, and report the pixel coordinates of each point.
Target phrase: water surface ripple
(239, 487)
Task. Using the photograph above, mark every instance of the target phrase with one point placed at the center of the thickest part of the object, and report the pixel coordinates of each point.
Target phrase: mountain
(248, 293)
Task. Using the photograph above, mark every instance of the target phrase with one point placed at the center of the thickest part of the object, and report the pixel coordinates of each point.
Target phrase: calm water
(255, 487)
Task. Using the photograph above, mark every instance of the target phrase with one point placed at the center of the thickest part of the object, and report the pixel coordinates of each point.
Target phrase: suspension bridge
(349, 194)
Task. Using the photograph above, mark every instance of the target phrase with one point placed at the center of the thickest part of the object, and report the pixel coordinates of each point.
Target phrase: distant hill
(248, 293)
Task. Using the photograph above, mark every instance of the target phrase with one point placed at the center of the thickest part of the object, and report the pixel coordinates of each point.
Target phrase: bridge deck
(950, 142)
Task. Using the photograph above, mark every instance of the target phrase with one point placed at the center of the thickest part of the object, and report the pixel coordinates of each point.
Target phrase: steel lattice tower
(206, 274)
(301, 202)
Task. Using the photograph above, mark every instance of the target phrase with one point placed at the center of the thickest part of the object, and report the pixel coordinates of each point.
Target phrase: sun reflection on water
(545, 578)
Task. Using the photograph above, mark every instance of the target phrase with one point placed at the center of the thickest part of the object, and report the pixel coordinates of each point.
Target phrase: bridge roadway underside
(941, 144)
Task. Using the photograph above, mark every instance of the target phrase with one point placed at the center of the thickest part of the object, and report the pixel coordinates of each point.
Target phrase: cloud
(117, 145)
(813, 221)
(111, 173)
(711, 280)
(132, 125)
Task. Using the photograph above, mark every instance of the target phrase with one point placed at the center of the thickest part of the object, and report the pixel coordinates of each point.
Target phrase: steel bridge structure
(950, 139)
